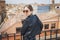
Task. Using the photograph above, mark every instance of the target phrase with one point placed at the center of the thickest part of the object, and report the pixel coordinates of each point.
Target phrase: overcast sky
(30, 1)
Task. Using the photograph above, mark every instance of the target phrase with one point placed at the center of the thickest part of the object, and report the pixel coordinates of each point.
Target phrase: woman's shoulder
(33, 17)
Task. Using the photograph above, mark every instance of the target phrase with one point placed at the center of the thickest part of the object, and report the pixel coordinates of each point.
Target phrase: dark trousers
(29, 38)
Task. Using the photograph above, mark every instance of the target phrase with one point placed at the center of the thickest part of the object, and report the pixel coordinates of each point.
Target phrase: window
(42, 9)
(53, 25)
(18, 30)
(46, 26)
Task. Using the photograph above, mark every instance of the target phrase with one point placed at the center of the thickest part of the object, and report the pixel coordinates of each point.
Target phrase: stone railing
(7, 24)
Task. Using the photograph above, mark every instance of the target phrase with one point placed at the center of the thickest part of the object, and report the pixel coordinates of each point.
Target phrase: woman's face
(27, 11)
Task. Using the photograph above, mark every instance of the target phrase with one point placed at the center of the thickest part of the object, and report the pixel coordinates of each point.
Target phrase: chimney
(53, 4)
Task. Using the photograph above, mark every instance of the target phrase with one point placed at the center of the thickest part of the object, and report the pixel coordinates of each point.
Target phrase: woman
(32, 26)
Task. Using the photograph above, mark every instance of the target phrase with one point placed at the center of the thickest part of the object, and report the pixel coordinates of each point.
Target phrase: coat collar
(29, 15)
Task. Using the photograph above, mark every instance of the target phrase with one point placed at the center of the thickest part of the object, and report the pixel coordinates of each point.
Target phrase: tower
(53, 4)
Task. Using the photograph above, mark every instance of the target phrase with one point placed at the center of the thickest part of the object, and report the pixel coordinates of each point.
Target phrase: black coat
(31, 26)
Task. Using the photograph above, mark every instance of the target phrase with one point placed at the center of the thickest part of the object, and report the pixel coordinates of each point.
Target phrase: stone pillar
(2, 11)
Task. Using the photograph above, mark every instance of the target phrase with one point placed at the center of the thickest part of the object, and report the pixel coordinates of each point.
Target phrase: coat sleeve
(24, 27)
(40, 24)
